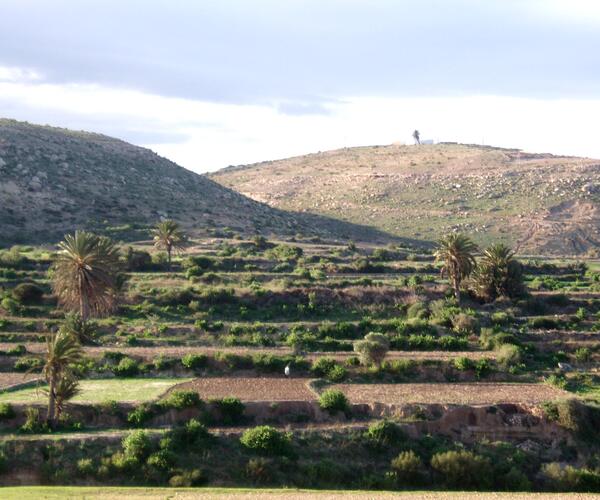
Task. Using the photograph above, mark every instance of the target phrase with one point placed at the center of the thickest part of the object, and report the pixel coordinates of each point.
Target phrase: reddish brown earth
(464, 393)
(251, 389)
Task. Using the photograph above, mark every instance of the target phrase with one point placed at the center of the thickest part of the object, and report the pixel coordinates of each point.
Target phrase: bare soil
(251, 389)
(465, 393)
(8, 379)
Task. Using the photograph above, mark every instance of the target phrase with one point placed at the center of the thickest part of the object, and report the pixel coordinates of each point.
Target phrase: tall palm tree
(498, 274)
(62, 350)
(169, 236)
(85, 274)
(456, 252)
(417, 137)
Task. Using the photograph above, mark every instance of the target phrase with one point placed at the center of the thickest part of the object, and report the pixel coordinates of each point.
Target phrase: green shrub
(85, 466)
(581, 419)
(333, 401)
(418, 310)
(267, 440)
(464, 324)
(6, 411)
(140, 415)
(179, 400)
(127, 367)
(373, 349)
(33, 424)
(17, 350)
(583, 354)
(162, 362)
(337, 374)
(322, 366)
(508, 356)
(258, 470)
(463, 469)
(384, 434)
(27, 293)
(463, 363)
(502, 318)
(10, 305)
(569, 478)
(544, 323)
(190, 435)
(194, 361)
(28, 364)
(137, 444)
(231, 410)
(407, 468)
(188, 478)
(161, 459)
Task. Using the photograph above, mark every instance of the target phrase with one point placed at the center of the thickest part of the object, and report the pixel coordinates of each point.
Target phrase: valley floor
(90, 493)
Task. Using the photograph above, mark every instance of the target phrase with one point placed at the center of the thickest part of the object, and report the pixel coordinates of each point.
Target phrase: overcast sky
(214, 83)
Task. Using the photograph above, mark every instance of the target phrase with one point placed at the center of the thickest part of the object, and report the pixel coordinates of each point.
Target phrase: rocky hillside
(55, 180)
(540, 203)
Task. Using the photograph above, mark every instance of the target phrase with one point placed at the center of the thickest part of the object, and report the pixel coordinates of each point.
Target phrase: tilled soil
(251, 389)
(8, 379)
(464, 393)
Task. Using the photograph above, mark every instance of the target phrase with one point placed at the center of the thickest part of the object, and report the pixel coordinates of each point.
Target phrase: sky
(209, 84)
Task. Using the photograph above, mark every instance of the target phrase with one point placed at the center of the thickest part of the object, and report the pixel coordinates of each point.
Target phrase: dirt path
(464, 393)
(9, 379)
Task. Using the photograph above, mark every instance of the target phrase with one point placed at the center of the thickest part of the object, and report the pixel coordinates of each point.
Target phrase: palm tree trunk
(169, 250)
(456, 286)
(51, 417)
(83, 305)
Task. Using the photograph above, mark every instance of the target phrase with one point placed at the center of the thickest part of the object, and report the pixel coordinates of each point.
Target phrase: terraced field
(209, 340)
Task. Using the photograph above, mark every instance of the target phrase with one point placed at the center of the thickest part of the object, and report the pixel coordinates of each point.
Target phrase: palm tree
(169, 236)
(498, 274)
(85, 274)
(63, 349)
(456, 253)
(417, 137)
(66, 388)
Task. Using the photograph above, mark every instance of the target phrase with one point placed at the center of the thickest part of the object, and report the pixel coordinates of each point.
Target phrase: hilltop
(539, 203)
(54, 180)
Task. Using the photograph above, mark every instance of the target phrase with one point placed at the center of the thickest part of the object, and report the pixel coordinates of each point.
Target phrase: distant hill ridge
(55, 180)
(539, 203)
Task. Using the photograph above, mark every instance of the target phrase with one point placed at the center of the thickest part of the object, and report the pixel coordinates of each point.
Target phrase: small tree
(63, 349)
(85, 274)
(456, 252)
(169, 236)
(372, 349)
(498, 274)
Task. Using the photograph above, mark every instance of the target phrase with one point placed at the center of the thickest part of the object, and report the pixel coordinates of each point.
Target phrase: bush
(407, 468)
(333, 401)
(127, 367)
(161, 459)
(373, 348)
(384, 434)
(267, 440)
(581, 419)
(189, 478)
(544, 323)
(27, 293)
(465, 324)
(322, 366)
(32, 424)
(463, 363)
(140, 415)
(28, 364)
(583, 355)
(17, 350)
(418, 310)
(508, 356)
(463, 469)
(137, 445)
(10, 305)
(6, 411)
(179, 400)
(85, 466)
(258, 470)
(194, 361)
(231, 410)
(570, 478)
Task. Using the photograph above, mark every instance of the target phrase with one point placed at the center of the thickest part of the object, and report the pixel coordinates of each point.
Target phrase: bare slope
(56, 180)
(539, 202)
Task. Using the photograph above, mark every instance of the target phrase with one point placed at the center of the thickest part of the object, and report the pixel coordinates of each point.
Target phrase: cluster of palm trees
(496, 274)
(85, 281)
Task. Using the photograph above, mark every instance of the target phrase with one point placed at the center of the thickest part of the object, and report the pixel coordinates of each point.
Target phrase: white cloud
(213, 135)
(15, 74)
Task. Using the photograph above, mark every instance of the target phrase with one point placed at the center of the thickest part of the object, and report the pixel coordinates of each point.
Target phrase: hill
(55, 180)
(540, 203)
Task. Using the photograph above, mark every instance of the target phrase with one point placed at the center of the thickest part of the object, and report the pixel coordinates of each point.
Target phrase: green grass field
(89, 493)
(97, 391)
